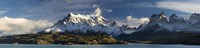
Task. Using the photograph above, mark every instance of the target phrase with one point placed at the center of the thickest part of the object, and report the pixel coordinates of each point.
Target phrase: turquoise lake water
(99, 46)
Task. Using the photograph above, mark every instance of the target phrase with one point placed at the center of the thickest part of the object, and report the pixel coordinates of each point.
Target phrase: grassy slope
(59, 38)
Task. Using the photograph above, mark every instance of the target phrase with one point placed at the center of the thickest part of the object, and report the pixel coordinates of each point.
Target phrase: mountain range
(163, 30)
(159, 22)
(159, 29)
(77, 23)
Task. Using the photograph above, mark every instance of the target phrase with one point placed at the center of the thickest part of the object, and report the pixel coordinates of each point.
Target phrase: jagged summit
(159, 18)
(77, 23)
(174, 16)
(175, 19)
(195, 16)
(175, 23)
(162, 14)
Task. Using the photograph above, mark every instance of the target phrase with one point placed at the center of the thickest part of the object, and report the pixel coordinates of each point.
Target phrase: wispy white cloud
(10, 26)
(140, 4)
(2, 11)
(95, 5)
(133, 22)
(97, 12)
(109, 10)
(187, 6)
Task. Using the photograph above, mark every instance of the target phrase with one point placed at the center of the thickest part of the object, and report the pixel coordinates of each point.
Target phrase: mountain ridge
(97, 23)
(86, 23)
(174, 23)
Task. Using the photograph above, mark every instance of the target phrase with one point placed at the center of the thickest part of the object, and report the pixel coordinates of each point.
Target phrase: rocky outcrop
(175, 19)
(175, 23)
(158, 18)
(194, 19)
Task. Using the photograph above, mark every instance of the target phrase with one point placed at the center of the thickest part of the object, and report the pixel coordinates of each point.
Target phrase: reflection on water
(99, 46)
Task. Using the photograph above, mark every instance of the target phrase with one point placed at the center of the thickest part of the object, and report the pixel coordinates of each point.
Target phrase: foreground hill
(59, 38)
(162, 37)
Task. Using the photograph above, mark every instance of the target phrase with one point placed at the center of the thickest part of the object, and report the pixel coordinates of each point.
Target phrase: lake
(99, 46)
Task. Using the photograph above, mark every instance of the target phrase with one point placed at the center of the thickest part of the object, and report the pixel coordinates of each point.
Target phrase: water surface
(99, 46)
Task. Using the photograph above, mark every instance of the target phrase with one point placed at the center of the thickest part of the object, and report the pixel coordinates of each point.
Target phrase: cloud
(2, 12)
(140, 4)
(133, 22)
(95, 5)
(187, 6)
(109, 10)
(10, 26)
(97, 12)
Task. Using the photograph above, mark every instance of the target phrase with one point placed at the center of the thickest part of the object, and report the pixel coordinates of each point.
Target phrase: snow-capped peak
(85, 23)
(175, 23)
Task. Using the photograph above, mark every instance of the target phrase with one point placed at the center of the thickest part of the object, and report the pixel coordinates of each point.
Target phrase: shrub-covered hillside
(59, 38)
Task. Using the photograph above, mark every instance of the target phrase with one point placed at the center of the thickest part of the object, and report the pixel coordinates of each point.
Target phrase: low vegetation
(59, 38)
(162, 38)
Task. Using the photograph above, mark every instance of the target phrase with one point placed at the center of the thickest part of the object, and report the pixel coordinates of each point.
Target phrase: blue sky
(57, 9)
(39, 9)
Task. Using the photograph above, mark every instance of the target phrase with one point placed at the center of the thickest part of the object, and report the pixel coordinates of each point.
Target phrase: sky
(112, 9)
(47, 12)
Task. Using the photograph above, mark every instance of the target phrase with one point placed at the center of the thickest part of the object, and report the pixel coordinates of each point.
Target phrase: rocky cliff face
(174, 24)
(175, 19)
(194, 19)
(161, 18)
